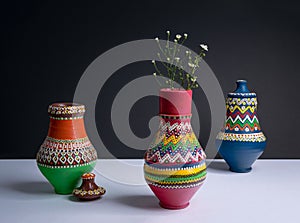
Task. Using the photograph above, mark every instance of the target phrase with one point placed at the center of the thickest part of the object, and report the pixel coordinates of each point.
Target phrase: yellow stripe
(186, 171)
(251, 108)
(188, 137)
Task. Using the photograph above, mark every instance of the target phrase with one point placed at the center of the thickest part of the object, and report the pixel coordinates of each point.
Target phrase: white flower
(153, 61)
(177, 59)
(175, 40)
(178, 36)
(185, 35)
(191, 65)
(154, 74)
(156, 39)
(204, 46)
(193, 79)
(168, 59)
(168, 32)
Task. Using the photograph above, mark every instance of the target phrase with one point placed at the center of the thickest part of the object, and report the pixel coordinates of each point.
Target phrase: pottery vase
(175, 162)
(241, 141)
(67, 152)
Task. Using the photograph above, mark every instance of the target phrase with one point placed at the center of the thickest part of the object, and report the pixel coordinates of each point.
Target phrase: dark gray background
(46, 47)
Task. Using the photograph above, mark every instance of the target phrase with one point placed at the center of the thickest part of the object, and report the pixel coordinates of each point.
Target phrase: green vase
(66, 153)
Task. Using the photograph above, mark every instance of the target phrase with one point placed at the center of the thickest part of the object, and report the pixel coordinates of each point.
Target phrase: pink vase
(175, 162)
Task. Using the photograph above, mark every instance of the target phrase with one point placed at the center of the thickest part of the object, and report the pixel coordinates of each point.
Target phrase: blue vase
(241, 141)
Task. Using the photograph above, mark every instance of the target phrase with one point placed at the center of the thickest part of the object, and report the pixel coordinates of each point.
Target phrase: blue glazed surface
(241, 141)
(241, 87)
(241, 155)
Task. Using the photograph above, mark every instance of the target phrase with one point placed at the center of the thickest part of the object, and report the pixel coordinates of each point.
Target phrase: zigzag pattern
(183, 145)
(241, 125)
(242, 109)
(246, 127)
(241, 121)
(238, 113)
(173, 140)
(175, 171)
(177, 158)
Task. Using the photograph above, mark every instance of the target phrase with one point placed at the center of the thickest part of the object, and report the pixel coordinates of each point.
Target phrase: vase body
(175, 162)
(241, 141)
(67, 152)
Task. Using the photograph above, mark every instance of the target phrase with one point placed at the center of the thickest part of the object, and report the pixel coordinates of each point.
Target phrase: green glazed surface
(64, 180)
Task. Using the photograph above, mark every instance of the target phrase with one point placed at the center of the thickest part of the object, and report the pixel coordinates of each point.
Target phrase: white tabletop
(270, 193)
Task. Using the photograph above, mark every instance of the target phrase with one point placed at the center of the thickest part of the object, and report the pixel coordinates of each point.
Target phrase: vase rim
(88, 176)
(174, 90)
(66, 109)
(65, 104)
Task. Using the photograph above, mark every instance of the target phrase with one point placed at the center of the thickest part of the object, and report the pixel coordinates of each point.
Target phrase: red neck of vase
(66, 121)
(175, 102)
(66, 129)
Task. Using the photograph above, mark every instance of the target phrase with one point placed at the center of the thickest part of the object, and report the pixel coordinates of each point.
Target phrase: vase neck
(241, 87)
(175, 102)
(66, 121)
(67, 129)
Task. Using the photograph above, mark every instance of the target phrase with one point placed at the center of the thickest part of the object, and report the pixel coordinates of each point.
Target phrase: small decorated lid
(88, 176)
(88, 190)
(241, 90)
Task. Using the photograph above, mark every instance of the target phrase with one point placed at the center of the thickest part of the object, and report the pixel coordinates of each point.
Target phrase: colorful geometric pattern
(66, 111)
(183, 177)
(175, 143)
(252, 137)
(241, 120)
(175, 158)
(56, 153)
(56, 109)
(81, 192)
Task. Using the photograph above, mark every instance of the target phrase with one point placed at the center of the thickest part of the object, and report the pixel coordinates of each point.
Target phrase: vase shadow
(36, 187)
(140, 201)
(75, 199)
(218, 166)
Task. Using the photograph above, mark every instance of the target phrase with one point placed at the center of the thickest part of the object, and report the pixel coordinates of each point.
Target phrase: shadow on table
(140, 201)
(75, 199)
(218, 166)
(32, 187)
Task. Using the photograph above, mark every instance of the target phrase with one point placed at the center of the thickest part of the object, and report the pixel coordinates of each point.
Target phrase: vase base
(173, 207)
(240, 170)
